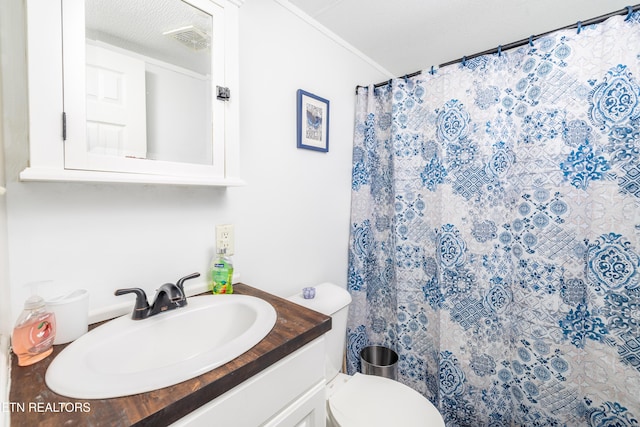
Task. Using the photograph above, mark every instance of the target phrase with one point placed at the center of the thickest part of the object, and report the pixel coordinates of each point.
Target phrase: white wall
(291, 220)
(4, 265)
(293, 217)
(5, 311)
(12, 126)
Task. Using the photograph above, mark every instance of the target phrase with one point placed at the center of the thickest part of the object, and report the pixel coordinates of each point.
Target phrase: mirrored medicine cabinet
(133, 91)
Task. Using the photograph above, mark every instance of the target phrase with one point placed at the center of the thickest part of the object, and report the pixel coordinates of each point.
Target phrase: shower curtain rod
(628, 10)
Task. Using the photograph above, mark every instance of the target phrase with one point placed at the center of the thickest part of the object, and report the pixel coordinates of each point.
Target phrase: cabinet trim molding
(31, 174)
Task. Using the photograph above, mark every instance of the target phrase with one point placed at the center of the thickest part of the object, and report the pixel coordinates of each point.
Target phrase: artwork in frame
(313, 122)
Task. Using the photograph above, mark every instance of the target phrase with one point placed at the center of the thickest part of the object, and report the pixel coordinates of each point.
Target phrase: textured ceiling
(138, 25)
(404, 36)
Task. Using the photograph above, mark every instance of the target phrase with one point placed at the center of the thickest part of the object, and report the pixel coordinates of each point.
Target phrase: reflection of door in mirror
(116, 113)
(149, 80)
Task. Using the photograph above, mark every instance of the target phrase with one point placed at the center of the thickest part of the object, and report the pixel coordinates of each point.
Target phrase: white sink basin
(125, 356)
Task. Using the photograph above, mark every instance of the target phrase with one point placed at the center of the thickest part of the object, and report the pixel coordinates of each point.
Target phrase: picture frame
(313, 121)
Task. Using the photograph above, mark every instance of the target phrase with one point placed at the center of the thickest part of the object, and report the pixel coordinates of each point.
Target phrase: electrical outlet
(224, 237)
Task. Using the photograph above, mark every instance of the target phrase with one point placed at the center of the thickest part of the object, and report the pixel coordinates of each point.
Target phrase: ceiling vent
(190, 36)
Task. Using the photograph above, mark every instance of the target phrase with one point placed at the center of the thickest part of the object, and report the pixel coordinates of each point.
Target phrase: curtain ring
(531, 40)
(433, 72)
(499, 50)
(629, 12)
(579, 26)
(464, 61)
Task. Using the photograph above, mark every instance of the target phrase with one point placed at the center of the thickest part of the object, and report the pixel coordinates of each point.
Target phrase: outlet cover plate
(225, 237)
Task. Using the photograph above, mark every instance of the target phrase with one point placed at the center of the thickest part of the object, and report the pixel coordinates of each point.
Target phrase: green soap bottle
(221, 273)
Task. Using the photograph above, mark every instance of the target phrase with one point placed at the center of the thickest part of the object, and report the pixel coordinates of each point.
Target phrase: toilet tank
(330, 300)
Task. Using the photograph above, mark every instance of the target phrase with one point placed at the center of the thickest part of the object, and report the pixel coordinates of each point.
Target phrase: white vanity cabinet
(291, 393)
(78, 129)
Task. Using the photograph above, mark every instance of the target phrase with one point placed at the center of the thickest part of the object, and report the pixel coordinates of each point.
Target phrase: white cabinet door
(65, 147)
(289, 393)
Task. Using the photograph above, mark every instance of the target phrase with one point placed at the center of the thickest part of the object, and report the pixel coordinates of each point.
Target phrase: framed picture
(313, 122)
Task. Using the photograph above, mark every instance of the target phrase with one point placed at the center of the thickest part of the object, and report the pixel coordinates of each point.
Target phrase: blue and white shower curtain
(495, 231)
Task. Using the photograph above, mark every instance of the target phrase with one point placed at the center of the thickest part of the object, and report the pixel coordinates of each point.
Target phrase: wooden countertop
(32, 403)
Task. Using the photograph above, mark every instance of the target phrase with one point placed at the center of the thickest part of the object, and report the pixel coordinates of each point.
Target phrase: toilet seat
(367, 400)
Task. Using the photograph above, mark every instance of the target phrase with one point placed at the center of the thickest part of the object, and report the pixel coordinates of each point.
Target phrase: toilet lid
(367, 400)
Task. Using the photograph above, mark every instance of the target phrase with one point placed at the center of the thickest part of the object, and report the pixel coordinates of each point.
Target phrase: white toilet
(362, 400)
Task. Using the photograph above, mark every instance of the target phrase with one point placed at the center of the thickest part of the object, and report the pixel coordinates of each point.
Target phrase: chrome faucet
(168, 297)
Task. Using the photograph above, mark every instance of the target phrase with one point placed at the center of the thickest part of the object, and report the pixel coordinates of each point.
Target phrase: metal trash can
(380, 361)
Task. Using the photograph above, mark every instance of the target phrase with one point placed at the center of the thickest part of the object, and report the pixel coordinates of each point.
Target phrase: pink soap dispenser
(35, 330)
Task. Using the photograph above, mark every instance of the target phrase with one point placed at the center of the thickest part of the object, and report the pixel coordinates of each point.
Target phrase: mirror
(148, 80)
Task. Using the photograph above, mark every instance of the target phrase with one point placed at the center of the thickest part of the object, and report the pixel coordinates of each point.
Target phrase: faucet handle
(180, 282)
(140, 310)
